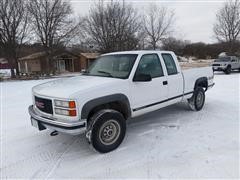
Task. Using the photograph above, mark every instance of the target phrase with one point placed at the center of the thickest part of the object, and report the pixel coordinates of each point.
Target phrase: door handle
(165, 82)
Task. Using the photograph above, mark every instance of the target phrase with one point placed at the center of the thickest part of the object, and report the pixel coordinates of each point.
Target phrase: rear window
(170, 64)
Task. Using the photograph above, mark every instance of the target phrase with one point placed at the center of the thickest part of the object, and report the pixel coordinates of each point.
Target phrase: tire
(106, 130)
(228, 70)
(196, 102)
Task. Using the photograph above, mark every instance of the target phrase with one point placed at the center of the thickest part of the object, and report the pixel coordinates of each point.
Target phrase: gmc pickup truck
(226, 64)
(117, 86)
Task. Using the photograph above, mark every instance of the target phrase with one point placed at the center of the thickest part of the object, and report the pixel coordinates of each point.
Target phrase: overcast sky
(194, 18)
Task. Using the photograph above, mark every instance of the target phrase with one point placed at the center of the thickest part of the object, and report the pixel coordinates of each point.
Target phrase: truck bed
(191, 74)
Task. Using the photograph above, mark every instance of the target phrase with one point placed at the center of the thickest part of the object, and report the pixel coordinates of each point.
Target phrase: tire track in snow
(146, 132)
(55, 165)
(41, 164)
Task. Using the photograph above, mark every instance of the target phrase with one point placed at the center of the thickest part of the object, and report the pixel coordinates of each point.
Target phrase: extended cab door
(146, 95)
(174, 78)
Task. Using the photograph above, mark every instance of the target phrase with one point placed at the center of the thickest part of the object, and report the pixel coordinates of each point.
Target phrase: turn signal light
(72, 104)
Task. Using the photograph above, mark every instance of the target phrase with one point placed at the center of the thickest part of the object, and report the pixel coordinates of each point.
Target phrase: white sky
(194, 18)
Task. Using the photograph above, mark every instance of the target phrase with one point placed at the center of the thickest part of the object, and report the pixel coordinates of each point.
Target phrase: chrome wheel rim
(199, 99)
(109, 132)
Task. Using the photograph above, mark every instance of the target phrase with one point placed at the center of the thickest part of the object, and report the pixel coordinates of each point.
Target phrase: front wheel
(108, 128)
(196, 102)
(228, 70)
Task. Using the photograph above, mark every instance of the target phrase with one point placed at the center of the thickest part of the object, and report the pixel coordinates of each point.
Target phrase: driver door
(148, 94)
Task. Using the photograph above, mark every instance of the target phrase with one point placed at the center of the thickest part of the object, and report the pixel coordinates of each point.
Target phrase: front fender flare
(87, 107)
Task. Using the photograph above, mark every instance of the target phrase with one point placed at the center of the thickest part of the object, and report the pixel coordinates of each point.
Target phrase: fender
(87, 107)
(202, 81)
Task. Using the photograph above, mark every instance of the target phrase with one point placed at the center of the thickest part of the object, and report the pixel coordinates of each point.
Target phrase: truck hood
(67, 87)
(221, 62)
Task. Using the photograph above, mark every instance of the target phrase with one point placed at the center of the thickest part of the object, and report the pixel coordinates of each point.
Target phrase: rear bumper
(48, 123)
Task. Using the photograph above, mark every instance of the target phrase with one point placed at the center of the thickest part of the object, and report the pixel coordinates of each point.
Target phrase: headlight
(65, 104)
(66, 112)
(66, 108)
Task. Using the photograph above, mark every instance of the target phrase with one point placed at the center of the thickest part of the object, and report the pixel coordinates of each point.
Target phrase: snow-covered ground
(173, 142)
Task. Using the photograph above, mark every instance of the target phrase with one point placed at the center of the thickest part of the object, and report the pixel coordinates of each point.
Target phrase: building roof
(90, 55)
(42, 54)
(33, 56)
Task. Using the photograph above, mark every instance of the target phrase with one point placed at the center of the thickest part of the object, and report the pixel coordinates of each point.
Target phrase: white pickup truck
(117, 87)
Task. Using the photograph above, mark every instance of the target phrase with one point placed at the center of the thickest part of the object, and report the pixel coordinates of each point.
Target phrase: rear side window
(170, 64)
(150, 64)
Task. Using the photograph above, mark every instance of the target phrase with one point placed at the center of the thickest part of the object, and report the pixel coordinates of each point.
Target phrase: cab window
(150, 64)
(170, 64)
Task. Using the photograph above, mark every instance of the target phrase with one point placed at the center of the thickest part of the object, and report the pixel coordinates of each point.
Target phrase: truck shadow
(222, 73)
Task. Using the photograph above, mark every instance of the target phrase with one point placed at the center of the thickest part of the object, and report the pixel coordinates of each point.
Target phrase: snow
(173, 142)
(5, 72)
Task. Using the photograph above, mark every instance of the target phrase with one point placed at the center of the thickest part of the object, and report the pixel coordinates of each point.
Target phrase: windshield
(116, 66)
(223, 59)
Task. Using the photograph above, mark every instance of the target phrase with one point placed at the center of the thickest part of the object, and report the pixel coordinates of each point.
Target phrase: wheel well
(116, 105)
(202, 82)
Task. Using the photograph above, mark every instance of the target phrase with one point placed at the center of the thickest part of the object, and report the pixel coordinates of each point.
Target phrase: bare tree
(158, 24)
(176, 45)
(53, 24)
(13, 28)
(227, 26)
(113, 26)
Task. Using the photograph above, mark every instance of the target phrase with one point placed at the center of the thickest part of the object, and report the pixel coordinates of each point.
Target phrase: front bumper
(48, 123)
(219, 68)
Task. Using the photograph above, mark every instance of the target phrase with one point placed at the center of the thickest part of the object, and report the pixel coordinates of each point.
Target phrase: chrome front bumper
(219, 68)
(48, 123)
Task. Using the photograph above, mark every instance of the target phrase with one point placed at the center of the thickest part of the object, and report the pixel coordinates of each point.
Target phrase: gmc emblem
(39, 104)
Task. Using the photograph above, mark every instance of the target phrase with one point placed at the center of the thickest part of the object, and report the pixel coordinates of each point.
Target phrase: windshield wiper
(108, 73)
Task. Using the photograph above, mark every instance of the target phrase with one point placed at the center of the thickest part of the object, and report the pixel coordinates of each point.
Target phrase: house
(87, 59)
(63, 62)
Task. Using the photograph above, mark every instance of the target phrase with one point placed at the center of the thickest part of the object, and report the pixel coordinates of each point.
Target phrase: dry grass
(196, 64)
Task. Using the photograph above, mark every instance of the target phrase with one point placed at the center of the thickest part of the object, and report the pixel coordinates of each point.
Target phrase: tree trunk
(16, 66)
(154, 45)
(13, 73)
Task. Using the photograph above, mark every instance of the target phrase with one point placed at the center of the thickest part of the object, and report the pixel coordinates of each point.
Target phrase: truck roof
(138, 52)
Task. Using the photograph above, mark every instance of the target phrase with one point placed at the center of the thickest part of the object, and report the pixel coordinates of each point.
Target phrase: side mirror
(142, 78)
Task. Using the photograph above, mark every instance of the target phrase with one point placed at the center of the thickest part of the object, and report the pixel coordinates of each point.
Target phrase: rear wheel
(196, 102)
(107, 129)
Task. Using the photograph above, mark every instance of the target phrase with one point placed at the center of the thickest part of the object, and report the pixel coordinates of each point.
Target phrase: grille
(216, 65)
(44, 105)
